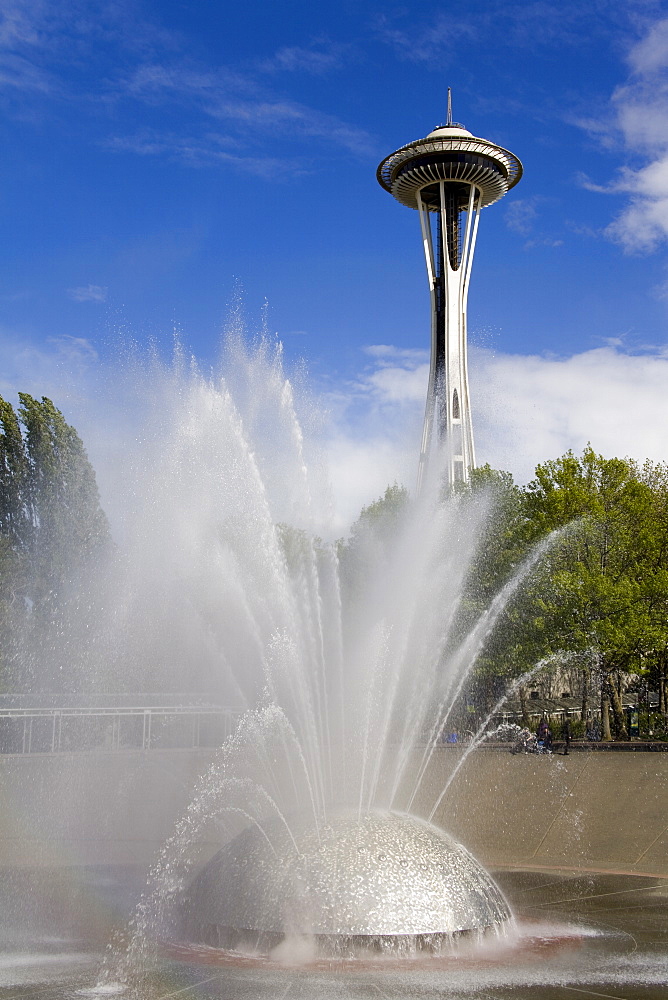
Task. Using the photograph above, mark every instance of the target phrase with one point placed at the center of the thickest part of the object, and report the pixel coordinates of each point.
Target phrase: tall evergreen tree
(15, 512)
(68, 524)
(52, 531)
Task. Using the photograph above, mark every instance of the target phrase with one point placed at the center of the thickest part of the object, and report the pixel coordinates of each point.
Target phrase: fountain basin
(384, 879)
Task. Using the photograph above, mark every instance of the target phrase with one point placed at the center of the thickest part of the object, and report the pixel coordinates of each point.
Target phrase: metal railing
(76, 729)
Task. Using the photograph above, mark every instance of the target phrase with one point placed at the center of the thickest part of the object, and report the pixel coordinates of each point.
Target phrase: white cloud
(530, 408)
(41, 42)
(17, 73)
(39, 37)
(317, 59)
(642, 225)
(431, 37)
(641, 116)
(409, 355)
(88, 293)
(242, 102)
(397, 384)
(207, 150)
(427, 41)
(59, 368)
(520, 215)
(651, 53)
(526, 409)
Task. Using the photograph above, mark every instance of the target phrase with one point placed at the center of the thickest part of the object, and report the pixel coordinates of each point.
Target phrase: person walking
(567, 735)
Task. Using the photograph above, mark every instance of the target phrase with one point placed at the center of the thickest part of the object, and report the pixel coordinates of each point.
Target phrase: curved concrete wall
(588, 810)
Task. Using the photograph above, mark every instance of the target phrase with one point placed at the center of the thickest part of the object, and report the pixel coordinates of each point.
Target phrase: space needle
(448, 177)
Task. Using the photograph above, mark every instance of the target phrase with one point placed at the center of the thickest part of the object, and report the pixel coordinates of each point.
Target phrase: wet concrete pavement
(579, 935)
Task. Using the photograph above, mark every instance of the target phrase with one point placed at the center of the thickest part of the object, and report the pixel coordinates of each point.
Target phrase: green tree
(604, 584)
(15, 509)
(67, 521)
(505, 537)
(372, 538)
(504, 543)
(382, 518)
(52, 534)
(599, 593)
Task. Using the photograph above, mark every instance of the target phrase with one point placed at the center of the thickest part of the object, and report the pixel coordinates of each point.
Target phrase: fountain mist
(344, 659)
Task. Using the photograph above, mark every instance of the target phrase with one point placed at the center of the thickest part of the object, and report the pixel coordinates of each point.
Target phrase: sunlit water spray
(344, 659)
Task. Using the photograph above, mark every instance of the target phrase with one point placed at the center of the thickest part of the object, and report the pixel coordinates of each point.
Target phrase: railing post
(146, 739)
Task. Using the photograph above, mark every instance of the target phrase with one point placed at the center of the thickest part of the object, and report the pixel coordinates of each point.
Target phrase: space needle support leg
(469, 245)
(449, 349)
(428, 244)
(448, 396)
(473, 217)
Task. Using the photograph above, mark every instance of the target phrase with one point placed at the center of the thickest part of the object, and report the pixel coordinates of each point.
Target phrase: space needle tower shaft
(449, 177)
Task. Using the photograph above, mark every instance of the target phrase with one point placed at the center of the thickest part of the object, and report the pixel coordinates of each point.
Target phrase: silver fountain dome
(382, 880)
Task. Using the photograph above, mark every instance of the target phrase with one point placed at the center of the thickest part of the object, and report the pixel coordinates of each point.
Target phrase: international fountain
(344, 671)
(308, 862)
(309, 859)
(323, 873)
(340, 858)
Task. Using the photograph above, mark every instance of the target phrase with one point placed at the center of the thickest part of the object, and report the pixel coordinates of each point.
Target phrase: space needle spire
(449, 176)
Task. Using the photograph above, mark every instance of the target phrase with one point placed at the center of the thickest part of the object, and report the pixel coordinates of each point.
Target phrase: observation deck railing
(32, 730)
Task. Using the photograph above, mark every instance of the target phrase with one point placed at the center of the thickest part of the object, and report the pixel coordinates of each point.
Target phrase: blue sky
(155, 155)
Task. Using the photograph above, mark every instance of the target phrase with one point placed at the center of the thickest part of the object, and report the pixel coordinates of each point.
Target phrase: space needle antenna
(448, 177)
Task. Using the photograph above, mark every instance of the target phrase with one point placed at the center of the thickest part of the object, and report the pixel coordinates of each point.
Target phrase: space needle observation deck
(448, 177)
